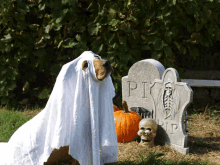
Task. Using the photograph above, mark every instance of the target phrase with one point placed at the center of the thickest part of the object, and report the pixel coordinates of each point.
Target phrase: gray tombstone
(171, 97)
(135, 86)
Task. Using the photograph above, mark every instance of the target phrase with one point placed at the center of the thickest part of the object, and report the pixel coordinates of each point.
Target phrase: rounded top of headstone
(148, 68)
(171, 75)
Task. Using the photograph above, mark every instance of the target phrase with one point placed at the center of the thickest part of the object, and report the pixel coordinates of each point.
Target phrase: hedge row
(39, 36)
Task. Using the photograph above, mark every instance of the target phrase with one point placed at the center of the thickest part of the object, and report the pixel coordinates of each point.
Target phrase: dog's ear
(84, 65)
(97, 56)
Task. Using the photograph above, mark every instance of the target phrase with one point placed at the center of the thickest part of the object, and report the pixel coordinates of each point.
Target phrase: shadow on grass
(200, 146)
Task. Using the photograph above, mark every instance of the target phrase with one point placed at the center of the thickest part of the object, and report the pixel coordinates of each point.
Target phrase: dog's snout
(106, 63)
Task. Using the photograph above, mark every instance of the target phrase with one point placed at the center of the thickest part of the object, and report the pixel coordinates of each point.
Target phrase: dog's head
(102, 67)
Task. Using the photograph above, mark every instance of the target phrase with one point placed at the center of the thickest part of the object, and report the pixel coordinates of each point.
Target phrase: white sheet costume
(79, 113)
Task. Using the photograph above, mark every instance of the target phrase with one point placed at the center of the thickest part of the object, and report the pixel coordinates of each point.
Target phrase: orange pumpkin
(115, 108)
(126, 124)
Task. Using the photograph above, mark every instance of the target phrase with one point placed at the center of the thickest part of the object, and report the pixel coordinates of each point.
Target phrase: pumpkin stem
(125, 107)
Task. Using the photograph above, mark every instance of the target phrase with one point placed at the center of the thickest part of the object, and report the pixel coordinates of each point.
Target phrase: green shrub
(39, 36)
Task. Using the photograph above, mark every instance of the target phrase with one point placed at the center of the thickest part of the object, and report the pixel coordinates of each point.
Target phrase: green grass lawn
(11, 120)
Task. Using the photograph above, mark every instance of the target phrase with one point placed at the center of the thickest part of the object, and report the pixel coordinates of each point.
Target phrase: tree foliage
(39, 36)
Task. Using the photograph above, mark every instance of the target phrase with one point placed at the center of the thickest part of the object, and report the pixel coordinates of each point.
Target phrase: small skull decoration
(147, 131)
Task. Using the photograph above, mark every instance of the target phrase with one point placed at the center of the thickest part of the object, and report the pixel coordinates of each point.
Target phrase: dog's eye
(86, 65)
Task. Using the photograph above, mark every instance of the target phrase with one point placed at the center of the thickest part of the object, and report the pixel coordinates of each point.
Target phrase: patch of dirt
(203, 143)
(29, 113)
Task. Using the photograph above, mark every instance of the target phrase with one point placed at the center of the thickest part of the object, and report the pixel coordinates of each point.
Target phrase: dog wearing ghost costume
(103, 69)
(77, 122)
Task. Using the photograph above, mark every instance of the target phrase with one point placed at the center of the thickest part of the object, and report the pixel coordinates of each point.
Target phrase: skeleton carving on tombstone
(147, 131)
(168, 100)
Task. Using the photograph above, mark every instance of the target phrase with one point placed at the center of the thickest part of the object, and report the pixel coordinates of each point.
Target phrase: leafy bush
(39, 36)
